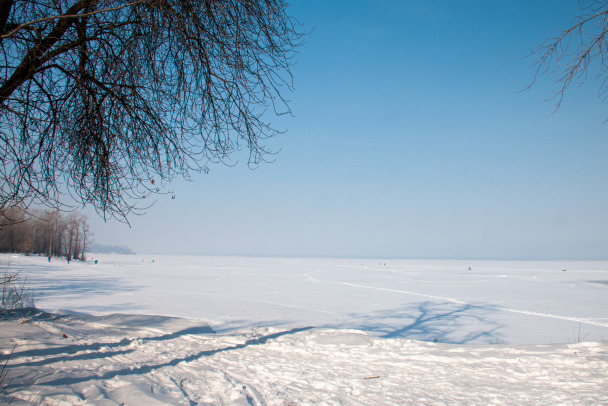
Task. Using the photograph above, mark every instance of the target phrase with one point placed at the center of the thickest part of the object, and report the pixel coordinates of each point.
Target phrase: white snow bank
(141, 360)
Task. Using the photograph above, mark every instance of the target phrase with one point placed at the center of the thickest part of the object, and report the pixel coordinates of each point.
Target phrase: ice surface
(509, 302)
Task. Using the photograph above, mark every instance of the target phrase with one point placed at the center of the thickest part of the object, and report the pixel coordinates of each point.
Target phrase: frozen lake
(493, 302)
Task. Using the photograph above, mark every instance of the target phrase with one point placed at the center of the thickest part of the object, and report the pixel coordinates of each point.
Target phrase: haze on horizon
(411, 138)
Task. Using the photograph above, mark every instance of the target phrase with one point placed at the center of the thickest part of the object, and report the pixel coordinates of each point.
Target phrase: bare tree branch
(570, 56)
(105, 101)
(57, 17)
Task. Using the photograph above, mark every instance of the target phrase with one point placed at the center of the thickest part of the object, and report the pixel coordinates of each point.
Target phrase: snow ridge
(183, 362)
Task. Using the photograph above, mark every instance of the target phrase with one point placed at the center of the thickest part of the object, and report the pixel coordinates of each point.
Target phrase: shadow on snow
(144, 369)
(77, 285)
(445, 322)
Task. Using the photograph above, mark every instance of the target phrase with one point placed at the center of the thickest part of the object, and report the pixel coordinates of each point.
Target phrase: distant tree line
(44, 233)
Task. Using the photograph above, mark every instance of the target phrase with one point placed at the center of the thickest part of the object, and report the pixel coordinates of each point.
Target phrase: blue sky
(411, 138)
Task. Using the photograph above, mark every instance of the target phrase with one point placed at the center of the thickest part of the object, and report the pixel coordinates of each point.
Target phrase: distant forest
(44, 233)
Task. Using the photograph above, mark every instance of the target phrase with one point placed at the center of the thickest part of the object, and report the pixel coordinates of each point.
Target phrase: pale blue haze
(410, 138)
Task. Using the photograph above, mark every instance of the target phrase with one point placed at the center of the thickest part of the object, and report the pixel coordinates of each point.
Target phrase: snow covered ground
(276, 331)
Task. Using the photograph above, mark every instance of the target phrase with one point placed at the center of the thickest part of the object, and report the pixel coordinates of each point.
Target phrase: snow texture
(256, 331)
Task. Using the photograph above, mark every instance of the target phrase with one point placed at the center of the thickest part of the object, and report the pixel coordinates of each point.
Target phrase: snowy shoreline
(308, 331)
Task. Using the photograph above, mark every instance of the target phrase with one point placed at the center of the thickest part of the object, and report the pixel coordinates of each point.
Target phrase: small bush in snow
(15, 294)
